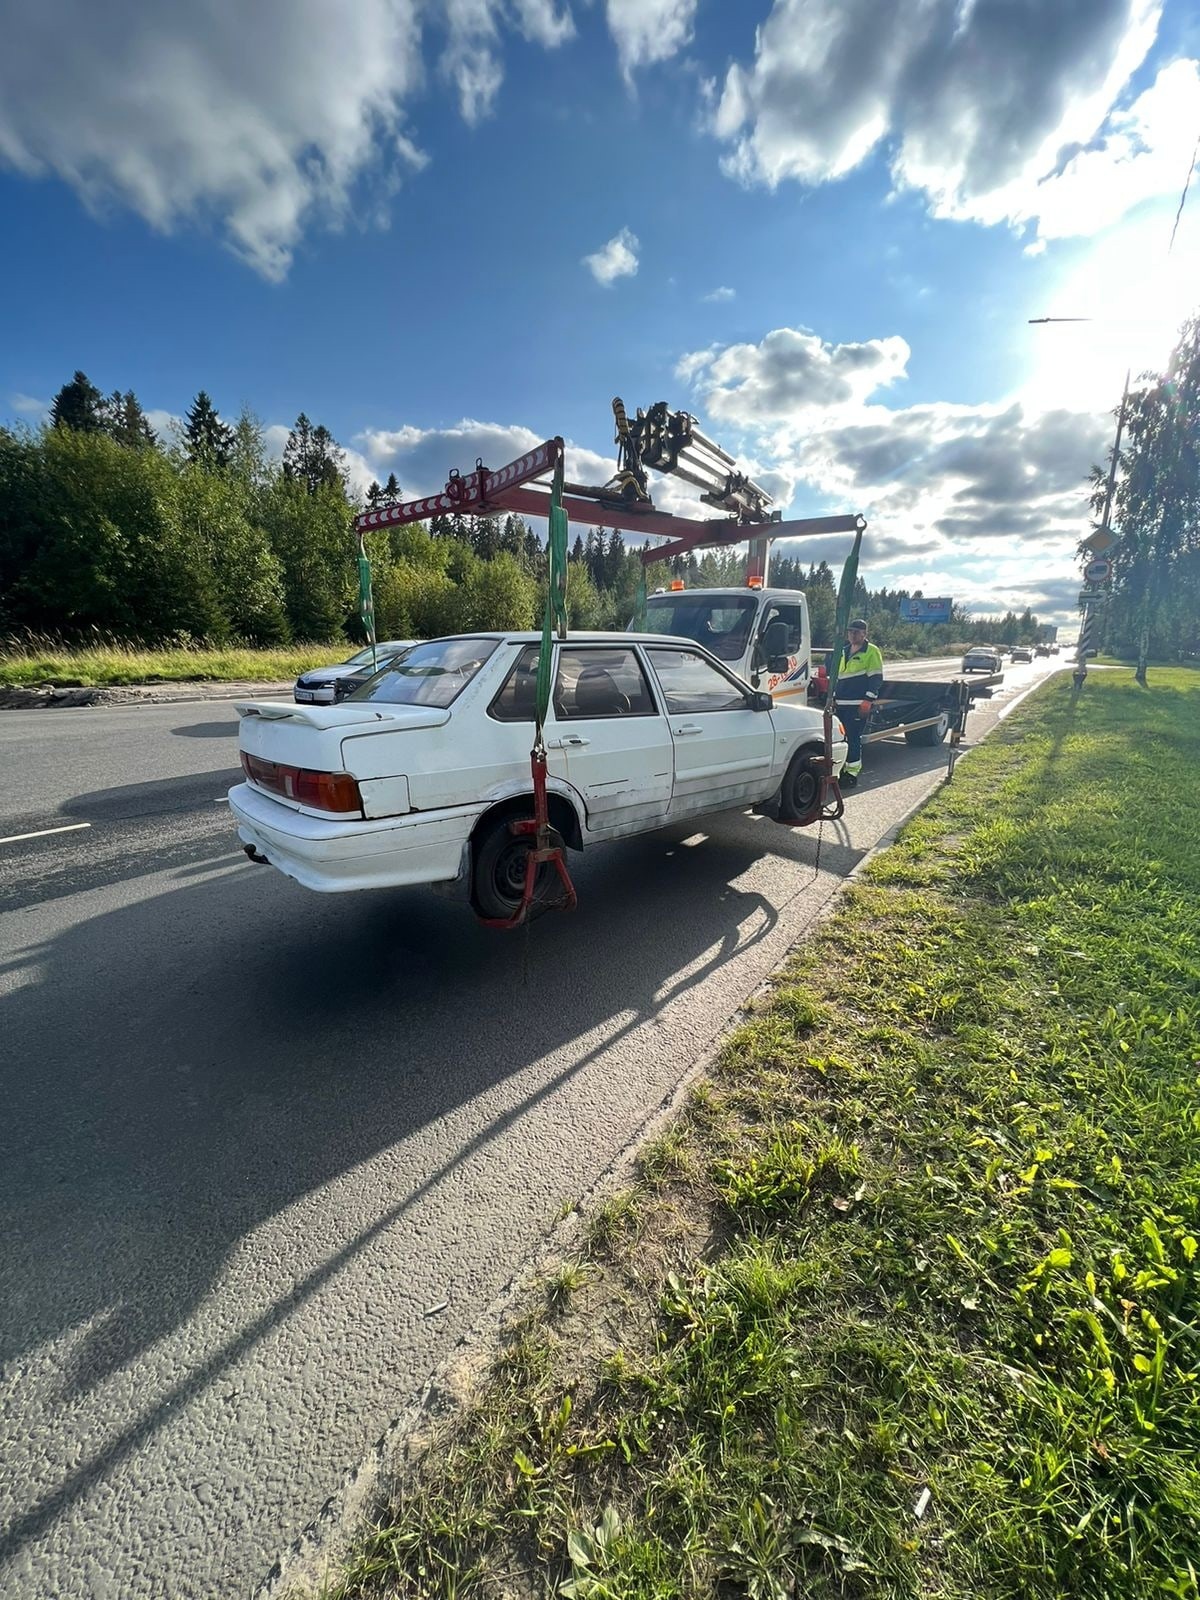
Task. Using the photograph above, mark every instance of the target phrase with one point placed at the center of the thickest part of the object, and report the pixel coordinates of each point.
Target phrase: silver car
(317, 688)
(982, 658)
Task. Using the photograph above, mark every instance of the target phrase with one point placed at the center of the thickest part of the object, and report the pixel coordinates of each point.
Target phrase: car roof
(612, 636)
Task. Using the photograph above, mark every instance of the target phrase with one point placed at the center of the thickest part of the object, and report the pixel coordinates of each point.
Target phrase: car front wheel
(801, 785)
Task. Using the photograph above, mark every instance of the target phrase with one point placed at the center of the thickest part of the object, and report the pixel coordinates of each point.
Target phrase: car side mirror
(760, 700)
(778, 663)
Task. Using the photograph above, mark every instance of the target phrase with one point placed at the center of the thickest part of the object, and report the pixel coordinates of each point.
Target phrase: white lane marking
(221, 800)
(42, 833)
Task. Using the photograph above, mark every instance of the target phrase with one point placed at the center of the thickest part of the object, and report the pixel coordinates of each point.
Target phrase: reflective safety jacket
(861, 677)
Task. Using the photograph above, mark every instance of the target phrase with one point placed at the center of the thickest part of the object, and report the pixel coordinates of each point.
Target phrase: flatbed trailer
(923, 710)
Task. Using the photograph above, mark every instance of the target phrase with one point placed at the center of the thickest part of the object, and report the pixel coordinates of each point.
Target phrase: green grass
(36, 662)
(908, 1302)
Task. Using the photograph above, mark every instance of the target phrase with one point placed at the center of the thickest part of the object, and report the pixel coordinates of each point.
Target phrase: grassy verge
(111, 665)
(908, 1302)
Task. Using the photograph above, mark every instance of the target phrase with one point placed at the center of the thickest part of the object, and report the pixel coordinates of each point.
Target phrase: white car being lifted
(417, 776)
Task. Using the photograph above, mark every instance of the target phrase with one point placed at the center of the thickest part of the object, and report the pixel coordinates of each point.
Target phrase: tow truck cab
(761, 634)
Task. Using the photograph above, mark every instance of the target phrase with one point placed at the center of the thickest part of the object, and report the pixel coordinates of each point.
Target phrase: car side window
(597, 681)
(692, 684)
(517, 699)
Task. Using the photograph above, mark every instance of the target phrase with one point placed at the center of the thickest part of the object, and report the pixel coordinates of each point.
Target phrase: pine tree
(311, 456)
(577, 548)
(207, 440)
(126, 422)
(391, 490)
(374, 493)
(78, 405)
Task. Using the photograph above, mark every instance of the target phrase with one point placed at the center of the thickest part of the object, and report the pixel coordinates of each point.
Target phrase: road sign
(1092, 597)
(1097, 571)
(1102, 539)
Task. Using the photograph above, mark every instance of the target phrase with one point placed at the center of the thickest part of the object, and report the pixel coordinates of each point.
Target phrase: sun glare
(1137, 297)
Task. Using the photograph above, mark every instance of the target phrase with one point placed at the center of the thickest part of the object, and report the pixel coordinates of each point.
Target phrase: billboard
(926, 610)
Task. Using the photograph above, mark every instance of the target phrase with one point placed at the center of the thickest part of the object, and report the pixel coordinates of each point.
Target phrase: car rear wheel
(498, 875)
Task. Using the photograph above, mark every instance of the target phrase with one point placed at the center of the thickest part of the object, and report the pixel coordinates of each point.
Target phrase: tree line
(106, 528)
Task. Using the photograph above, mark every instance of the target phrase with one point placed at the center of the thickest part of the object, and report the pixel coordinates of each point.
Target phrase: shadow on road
(208, 730)
(191, 1064)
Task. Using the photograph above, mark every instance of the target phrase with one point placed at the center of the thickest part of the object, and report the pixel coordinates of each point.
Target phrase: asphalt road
(265, 1155)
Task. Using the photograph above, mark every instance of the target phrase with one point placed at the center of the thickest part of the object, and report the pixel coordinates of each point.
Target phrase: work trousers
(856, 725)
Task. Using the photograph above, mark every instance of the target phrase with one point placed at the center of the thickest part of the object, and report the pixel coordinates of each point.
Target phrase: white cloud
(717, 295)
(791, 372)
(168, 425)
(26, 405)
(269, 118)
(997, 110)
(471, 57)
(988, 493)
(617, 259)
(647, 31)
(1142, 153)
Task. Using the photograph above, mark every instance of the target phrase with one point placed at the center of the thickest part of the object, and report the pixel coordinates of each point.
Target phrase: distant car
(1054, 649)
(1041, 649)
(417, 777)
(1022, 652)
(983, 658)
(316, 688)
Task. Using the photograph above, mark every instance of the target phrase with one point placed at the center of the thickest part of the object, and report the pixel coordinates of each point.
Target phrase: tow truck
(764, 633)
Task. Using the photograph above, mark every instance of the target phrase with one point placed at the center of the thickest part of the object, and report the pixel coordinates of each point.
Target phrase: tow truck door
(724, 750)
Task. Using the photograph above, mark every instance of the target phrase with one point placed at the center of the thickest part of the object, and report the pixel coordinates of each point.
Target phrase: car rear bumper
(334, 856)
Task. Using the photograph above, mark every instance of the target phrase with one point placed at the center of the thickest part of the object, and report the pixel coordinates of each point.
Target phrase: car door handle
(569, 741)
(689, 727)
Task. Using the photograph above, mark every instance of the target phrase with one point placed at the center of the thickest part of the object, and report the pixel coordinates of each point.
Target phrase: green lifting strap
(554, 621)
(845, 600)
(640, 604)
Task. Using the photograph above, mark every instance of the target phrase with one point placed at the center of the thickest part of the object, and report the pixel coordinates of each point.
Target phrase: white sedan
(416, 777)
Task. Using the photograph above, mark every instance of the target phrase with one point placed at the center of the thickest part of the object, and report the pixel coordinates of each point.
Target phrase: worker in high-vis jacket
(860, 683)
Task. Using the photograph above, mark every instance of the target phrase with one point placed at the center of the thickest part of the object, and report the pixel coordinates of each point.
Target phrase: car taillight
(323, 791)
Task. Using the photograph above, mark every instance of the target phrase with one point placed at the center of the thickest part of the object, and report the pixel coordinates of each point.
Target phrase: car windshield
(432, 674)
(721, 623)
(362, 659)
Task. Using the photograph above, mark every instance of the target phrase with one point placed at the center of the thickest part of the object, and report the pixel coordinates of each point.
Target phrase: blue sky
(820, 224)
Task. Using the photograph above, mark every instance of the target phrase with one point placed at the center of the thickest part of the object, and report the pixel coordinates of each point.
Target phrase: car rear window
(432, 674)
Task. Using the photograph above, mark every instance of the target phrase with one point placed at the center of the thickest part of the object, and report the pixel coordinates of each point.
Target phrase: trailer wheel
(498, 873)
(801, 785)
(933, 734)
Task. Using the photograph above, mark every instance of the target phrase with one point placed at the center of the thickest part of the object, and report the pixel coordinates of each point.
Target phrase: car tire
(801, 785)
(498, 869)
(931, 736)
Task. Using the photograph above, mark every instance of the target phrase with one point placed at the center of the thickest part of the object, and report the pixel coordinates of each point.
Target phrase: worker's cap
(859, 623)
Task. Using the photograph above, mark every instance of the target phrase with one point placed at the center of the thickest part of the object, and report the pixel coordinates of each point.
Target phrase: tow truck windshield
(721, 623)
